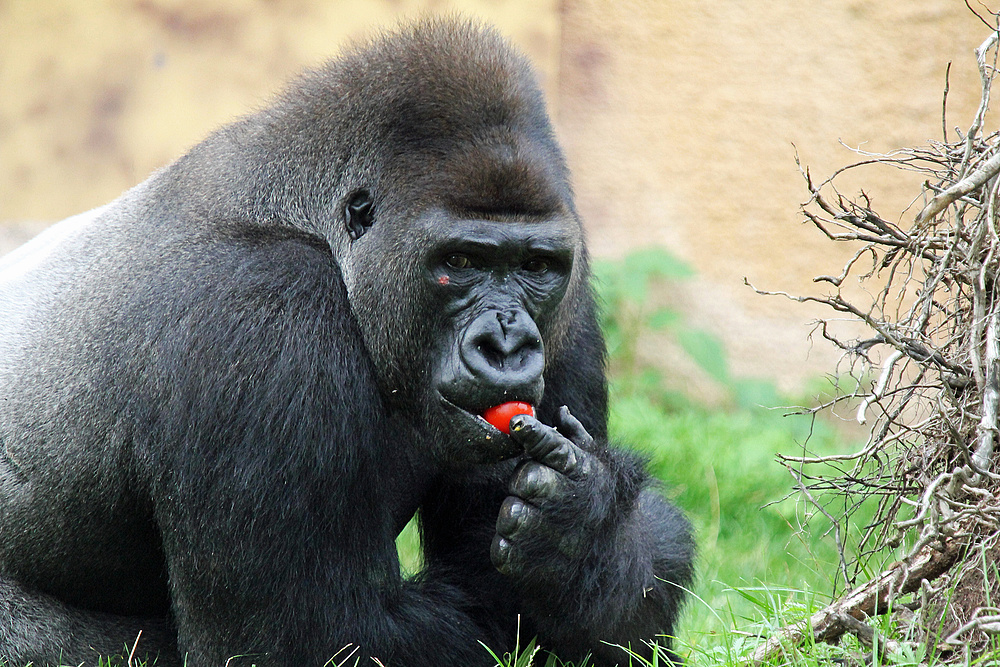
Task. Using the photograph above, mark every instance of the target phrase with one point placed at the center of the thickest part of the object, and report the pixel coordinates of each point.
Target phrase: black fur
(223, 395)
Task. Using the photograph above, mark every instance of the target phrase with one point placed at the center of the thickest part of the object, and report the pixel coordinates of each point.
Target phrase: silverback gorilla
(224, 394)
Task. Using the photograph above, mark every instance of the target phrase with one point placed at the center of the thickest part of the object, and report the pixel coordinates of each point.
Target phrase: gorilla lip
(477, 419)
(493, 444)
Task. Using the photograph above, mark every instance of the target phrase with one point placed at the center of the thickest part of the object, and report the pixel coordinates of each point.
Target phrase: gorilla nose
(504, 348)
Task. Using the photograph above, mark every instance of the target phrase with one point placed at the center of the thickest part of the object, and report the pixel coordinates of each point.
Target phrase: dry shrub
(927, 372)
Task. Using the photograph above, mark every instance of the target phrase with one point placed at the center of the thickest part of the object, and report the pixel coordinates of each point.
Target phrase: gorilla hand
(581, 524)
(557, 502)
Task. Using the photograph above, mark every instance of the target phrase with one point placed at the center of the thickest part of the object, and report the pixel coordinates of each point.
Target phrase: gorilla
(224, 394)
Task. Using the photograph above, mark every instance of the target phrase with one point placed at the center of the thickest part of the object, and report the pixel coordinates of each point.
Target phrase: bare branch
(972, 182)
(926, 377)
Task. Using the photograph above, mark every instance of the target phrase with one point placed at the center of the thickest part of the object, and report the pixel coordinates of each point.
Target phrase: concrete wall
(95, 95)
(678, 117)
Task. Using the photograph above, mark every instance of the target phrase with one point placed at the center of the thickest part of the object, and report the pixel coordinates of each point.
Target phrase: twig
(944, 103)
(989, 623)
(971, 182)
(135, 645)
(879, 390)
(869, 600)
(991, 397)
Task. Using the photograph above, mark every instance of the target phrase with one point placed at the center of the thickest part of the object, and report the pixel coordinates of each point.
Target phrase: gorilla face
(482, 296)
(496, 285)
(445, 200)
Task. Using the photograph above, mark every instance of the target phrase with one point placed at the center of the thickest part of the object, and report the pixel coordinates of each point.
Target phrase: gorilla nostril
(507, 320)
(493, 355)
(508, 354)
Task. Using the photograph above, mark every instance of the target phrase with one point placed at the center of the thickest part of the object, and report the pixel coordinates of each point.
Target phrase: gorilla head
(445, 200)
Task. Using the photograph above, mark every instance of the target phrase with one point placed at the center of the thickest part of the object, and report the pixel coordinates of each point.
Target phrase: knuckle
(513, 515)
(535, 480)
(548, 440)
(565, 458)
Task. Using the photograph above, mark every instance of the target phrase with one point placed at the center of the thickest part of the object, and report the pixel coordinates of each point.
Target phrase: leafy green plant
(626, 291)
(634, 293)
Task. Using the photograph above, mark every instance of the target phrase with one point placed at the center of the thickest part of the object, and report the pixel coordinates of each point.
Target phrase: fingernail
(502, 548)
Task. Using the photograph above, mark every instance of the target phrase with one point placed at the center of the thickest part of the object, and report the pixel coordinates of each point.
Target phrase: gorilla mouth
(490, 443)
(455, 411)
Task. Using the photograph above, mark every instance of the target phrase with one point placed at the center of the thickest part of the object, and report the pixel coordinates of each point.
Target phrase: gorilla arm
(283, 478)
(36, 628)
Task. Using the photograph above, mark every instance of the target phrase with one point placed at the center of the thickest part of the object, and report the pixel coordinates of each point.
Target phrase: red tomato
(500, 415)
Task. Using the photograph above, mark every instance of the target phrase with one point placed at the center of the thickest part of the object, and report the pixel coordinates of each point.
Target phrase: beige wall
(678, 117)
(95, 95)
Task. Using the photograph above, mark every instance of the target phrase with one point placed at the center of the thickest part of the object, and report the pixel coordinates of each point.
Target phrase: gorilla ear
(358, 214)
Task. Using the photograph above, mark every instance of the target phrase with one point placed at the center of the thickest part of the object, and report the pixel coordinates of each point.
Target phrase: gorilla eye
(358, 214)
(536, 265)
(457, 261)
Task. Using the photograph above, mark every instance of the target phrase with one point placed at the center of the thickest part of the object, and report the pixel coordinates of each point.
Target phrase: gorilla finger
(545, 444)
(571, 427)
(536, 482)
(536, 438)
(572, 461)
(517, 518)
